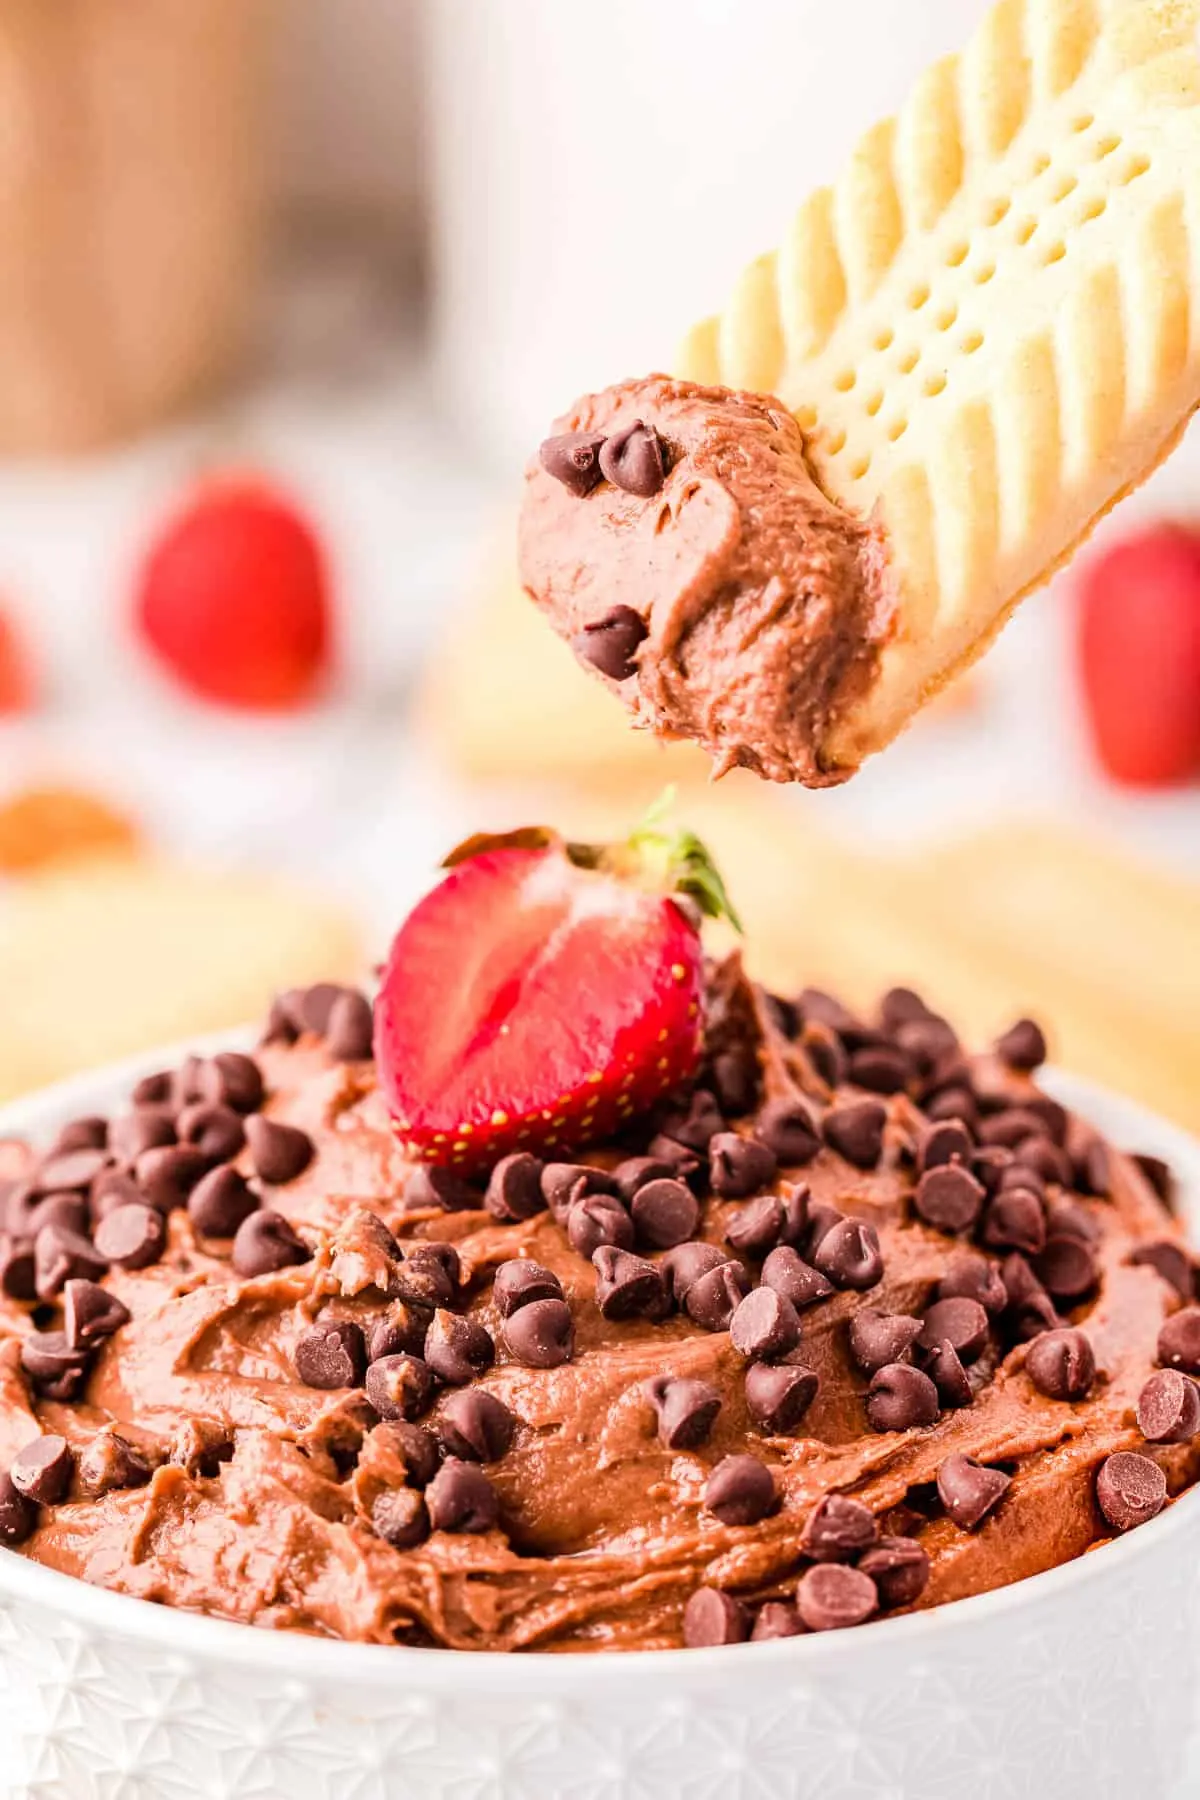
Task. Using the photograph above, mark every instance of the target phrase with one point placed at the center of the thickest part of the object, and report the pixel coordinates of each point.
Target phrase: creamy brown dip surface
(262, 1489)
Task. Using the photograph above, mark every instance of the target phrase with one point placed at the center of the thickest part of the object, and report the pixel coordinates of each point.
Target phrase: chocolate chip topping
(17, 1274)
(838, 1529)
(901, 1398)
(969, 1491)
(573, 457)
(332, 1354)
(598, 1219)
(741, 1491)
(279, 1152)
(739, 1166)
(42, 1470)
(627, 1286)
(899, 1567)
(264, 1243)
(944, 1142)
(457, 1349)
(520, 1282)
(960, 1322)
(1022, 1046)
(610, 643)
(461, 1498)
(18, 1516)
(1016, 1220)
(541, 1334)
(764, 1325)
(949, 1198)
(398, 1387)
(687, 1263)
(90, 1313)
(1179, 1341)
(232, 1079)
(831, 1597)
(1168, 1408)
(514, 1191)
(132, 1236)
(56, 1368)
(686, 1410)
(786, 1271)
(665, 1213)
(787, 1130)
(779, 1394)
(427, 1275)
(1171, 1261)
(712, 1299)
(111, 1461)
(220, 1201)
(143, 1129)
(88, 1133)
(878, 1338)
(849, 1255)
(400, 1517)
(712, 1618)
(168, 1175)
(476, 1426)
(72, 1171)
(757, 1227)
(217, 1132)
(855, 1131)
(60, 1256)
(1061, 1364)
(432, 1187)
(351, 1027)
(1130, 1489)
(1066, 1268)
(632, 459)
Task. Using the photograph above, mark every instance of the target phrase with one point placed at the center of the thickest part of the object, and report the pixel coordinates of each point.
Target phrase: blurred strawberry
(1139, 648)
(544, 993)
(234, 597)
(17, 686)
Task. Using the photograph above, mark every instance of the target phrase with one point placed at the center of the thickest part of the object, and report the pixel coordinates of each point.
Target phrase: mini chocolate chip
(461, 1498)
(60, 1256)
(514, 1191)
(949, 1198)
(815, 1003)
(878, 1338)
(432, 1187)
(351, 1027)
(1160, 1176)
(838, 1529)
(740, 1491)
(1010, 1129)
(18, 1516)
(1019, 1175)
(73, 1171)
(144, 1129)
(681, 1163)
(1044, 1159)
(541, 1334)
(825, 1052)
(398, 1387)
(153, 1090)
(787, 1130)
(849, 1255)
(712, 1299)
(758, 1226)
(989, 1165)
(685, 1264)
(217, 1132)
(686, 1410)
(1067, 1218)
(565, 1183)
(167, 1175)
(775, 1619)
(831, 1597)
(944, 1367)
(764, 1325)
(1016, 1220)
(899, 1568)
(1066, 1268)
(220, 1201)
(1179, 1341)
(880, 1068)
(779, 1394)
(735, 1078)
(901, 1397)
(56, 1367)
(132, 1236)
(1130, 1489)
(427, 1276)
(960, 1322)
(520, 1282)
(404, 1329)
(332, 1354)
(88, 1133)
(665, 1213)
(1168, 1408)
(231, 1079)
(1022, 1046)
(636, 1171)
(599, 1219)
(42, 1470)
(18, 1278)
(1030, 1309)
(855, 1131)
(945, 1141)
(695, 1127)
(279, 1152)
(712, 1618)
(573, 457)
(416, 1448)
(457, 1349)
(1093, 1170)
(969, 1490)
(1172, 1262)
(610, 643)
(400, 1517)
(264, 1243)
(632, 459)
(927, 1042)
(739, 1166)
(900, 1005)
(787, 1272)
(627, 1286)
(954, 1104)
(1061, 1364)
(476, 1426)
(111, 1461)
(69, 1212)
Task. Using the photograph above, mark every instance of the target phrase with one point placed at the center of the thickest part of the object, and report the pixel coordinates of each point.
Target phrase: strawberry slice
(544, 992)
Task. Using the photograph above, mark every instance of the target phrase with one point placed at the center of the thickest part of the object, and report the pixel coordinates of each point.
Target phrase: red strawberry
(17, 686)
(544, 993)
(1139, 647)
(234, 597)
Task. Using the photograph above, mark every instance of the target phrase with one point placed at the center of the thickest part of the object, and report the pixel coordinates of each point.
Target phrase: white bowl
(1079, 1684)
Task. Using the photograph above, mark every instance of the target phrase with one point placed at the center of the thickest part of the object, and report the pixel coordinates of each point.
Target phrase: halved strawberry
(544, 993)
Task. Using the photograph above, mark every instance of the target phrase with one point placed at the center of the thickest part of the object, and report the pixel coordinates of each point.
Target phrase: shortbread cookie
(985, 334)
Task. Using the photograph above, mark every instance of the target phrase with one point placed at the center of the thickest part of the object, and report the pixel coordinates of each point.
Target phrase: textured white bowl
(1080, 1684)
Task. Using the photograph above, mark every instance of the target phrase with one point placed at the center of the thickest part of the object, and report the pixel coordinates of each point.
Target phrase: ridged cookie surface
(989, 328)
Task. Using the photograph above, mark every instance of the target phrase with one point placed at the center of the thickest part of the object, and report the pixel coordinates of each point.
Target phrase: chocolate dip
(236, 1485)
(759, 606)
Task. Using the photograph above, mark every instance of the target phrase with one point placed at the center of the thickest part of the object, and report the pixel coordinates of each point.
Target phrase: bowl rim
(307, 1656)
